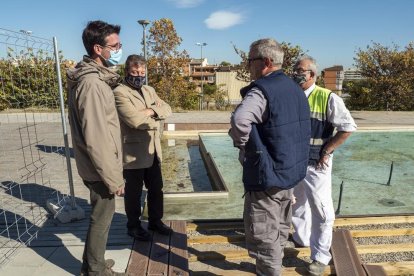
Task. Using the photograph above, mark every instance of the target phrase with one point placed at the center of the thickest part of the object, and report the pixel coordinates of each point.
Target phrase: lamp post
(26, 32)
(201, 66)
(144, 23)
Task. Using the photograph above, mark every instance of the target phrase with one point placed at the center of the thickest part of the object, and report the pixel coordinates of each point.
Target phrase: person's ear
(268, 62)
(97, 49)
(312, 74)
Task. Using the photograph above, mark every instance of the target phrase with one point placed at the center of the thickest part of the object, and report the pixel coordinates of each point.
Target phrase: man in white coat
(313, 213)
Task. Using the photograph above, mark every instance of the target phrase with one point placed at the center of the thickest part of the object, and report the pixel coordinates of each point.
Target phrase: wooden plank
(216, 239)
(338, 222)
(214, 226)
(299, 252)
(222, 272)
(138, 261)
(345, 255)
(295, 271)
(158, 258)
(241, 254)
(397, 268)
(373, 220)
(178, 258)
(382, 232)
(220, 239)
(385, 248)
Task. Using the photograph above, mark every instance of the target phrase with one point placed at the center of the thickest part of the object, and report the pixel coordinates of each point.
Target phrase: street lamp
(144, 24)
(26, 32)
(201, 66)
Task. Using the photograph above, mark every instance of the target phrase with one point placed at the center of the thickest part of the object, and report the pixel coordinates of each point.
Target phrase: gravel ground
(385, 240)
(389, 257)
(248, 264)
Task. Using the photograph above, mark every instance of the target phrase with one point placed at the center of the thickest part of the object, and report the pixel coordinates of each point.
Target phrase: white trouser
(313, 213)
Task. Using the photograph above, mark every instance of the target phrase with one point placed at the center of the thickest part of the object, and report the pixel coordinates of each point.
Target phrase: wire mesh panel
(32, 163)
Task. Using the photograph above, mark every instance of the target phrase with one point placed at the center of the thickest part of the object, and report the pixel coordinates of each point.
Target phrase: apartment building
(333, 78)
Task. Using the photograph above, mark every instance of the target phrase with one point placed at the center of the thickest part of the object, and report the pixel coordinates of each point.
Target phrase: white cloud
(223, 19)
(186, 3)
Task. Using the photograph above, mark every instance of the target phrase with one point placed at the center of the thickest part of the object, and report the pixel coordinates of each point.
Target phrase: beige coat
(94, 123)
(141, 137)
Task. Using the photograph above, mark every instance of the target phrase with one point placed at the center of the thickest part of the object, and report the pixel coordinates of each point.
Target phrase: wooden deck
(164, 255)
(217, 248)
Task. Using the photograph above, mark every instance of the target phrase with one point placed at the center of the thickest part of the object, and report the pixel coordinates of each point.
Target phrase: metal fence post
(75, 212)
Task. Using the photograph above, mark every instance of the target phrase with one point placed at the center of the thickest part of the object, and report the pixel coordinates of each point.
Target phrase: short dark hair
(96, 32)
(134, 60)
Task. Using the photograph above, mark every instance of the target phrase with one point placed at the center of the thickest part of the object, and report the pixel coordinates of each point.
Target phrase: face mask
(300, 78)
(135, 81)
(115, 57)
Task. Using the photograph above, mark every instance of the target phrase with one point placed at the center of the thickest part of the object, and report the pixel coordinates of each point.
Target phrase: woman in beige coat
(140, 111)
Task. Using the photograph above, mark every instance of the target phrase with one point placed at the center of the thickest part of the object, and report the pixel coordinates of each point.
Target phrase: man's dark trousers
(103, 209)
(134, 181)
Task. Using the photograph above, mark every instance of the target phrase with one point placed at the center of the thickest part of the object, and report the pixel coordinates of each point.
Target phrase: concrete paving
(58, 248)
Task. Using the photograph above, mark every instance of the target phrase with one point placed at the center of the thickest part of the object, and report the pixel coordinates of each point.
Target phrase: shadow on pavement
(22, 222)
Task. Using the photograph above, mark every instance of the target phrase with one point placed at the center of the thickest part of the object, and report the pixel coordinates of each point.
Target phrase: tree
(292, 53)
(359, 95)
(214, 93)
(166, 66)
(28, 79)
(225, 63)
(389, 78)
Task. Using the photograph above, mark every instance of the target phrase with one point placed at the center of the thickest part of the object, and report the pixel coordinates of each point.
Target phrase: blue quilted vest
(277, 152)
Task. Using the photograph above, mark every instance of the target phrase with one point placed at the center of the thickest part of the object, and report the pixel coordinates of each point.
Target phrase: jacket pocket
(115, 146)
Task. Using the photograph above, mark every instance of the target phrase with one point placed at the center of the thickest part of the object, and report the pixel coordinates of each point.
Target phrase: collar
(309, 90)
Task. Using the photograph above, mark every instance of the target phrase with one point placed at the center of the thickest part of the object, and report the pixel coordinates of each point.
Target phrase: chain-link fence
(32, 156)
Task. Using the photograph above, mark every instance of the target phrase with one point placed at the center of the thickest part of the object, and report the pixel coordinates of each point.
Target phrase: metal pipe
(144, 24)
(341, 188)
(65, 133)
(389, 178)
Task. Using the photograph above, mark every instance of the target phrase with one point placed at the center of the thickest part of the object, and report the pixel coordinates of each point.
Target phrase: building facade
(333, 78)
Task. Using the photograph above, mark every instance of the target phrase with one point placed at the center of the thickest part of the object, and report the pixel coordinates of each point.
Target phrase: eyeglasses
(115, 47)
(250, 60)
(300, 71)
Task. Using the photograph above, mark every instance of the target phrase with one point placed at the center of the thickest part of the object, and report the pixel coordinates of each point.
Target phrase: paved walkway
(58, 248)
(362, 118)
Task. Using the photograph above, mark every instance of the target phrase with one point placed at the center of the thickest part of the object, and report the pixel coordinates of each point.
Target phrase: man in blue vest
(271, 127)
(313, 212)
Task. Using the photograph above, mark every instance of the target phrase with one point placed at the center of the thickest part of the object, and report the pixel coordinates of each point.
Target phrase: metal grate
(32, 160)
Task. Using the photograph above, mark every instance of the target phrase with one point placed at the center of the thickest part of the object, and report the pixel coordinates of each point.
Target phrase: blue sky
(331, 31)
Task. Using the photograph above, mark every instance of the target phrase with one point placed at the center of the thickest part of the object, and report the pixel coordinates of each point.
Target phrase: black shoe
(160, 227)
(139, 233)
(109, 263)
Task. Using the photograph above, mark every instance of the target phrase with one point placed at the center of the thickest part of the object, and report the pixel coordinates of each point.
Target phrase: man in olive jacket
(96, 137)
(140, 111)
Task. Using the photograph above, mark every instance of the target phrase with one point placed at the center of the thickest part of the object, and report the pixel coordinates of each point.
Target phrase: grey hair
(312, 65)
(269, 48)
